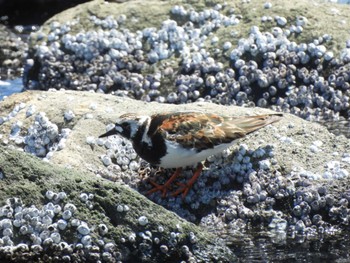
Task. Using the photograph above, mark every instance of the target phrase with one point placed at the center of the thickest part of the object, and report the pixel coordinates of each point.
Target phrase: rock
(300, 65)
(12, 54)
(28, 178)
(290, 172)
(296, 135)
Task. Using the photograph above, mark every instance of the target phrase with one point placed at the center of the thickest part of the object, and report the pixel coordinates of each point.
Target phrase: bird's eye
(124, 129)
(121, 127)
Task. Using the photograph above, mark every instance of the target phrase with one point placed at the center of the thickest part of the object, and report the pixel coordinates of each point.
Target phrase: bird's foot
(185, 187)
(158, 187)
(164, 188)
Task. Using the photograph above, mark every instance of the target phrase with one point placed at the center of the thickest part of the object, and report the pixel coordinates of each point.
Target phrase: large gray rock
(254, 53)
(132, 231)
(291, 176)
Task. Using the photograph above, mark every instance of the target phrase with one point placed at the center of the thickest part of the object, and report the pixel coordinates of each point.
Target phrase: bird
(184, 138)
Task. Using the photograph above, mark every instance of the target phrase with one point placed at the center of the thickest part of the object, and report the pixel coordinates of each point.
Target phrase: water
(326, 250)
(9, 87)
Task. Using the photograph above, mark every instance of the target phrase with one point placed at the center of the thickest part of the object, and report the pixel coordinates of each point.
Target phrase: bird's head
(127, 125)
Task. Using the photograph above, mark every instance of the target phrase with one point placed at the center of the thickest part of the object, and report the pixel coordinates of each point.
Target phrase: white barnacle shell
(16, 128)
(264, 164)
(103, 229)
(319, 51)
(69, 115)
(61, 144)
(134, 166)
(301, 21)
(5, 223)
(267, 5)
(62, 224)
(75, 222)
(132, 237)
(61, 195)
(277, 31)
(106, 160)
(281, 21)
(48, 241)
(49, 194)
(164, 249)
(49, 156)
(193, 238)
(120, 208)
(84, 197)
(92, 106)
(100, 141)
(83, 228)
(65, 132)
(299, 29)
(214, 40)
(67, 214)
(46, 220)
(54, 25)
(30, 111)
(56, 237)
(328, 55)
(17, 222)
(86, 240)
(143, 220)
(71, 207)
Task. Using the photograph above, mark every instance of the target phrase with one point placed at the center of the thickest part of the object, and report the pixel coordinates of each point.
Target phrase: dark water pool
(261, 248)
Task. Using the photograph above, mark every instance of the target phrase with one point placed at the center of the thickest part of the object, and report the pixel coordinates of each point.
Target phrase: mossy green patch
(28, 178)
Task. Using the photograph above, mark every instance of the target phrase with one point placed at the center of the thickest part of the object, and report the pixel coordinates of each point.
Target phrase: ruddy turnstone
(180, 139)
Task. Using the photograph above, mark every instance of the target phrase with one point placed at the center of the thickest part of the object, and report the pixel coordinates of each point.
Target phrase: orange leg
(164, 188)
(184, 188)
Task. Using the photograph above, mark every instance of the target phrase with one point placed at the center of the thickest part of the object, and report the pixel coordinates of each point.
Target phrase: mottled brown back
(203, 130)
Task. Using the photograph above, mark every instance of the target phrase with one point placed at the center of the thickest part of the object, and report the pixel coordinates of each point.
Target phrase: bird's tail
(253, 123)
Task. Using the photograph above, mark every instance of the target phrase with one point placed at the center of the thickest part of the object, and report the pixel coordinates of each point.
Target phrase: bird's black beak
(109, 133)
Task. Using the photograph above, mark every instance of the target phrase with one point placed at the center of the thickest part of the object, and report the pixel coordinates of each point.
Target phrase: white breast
(177, 156)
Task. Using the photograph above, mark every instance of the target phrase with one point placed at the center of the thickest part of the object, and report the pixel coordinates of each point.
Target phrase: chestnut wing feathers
(195, 129)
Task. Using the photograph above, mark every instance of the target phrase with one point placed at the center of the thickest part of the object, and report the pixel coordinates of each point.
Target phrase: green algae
(28, 178)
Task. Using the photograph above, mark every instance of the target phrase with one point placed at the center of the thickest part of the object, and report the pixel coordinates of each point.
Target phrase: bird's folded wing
(195, 129)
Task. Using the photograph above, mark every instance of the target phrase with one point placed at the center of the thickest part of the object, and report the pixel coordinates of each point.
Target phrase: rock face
(53, 213)
(291, 176)
(12, 54)
(252, 53)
